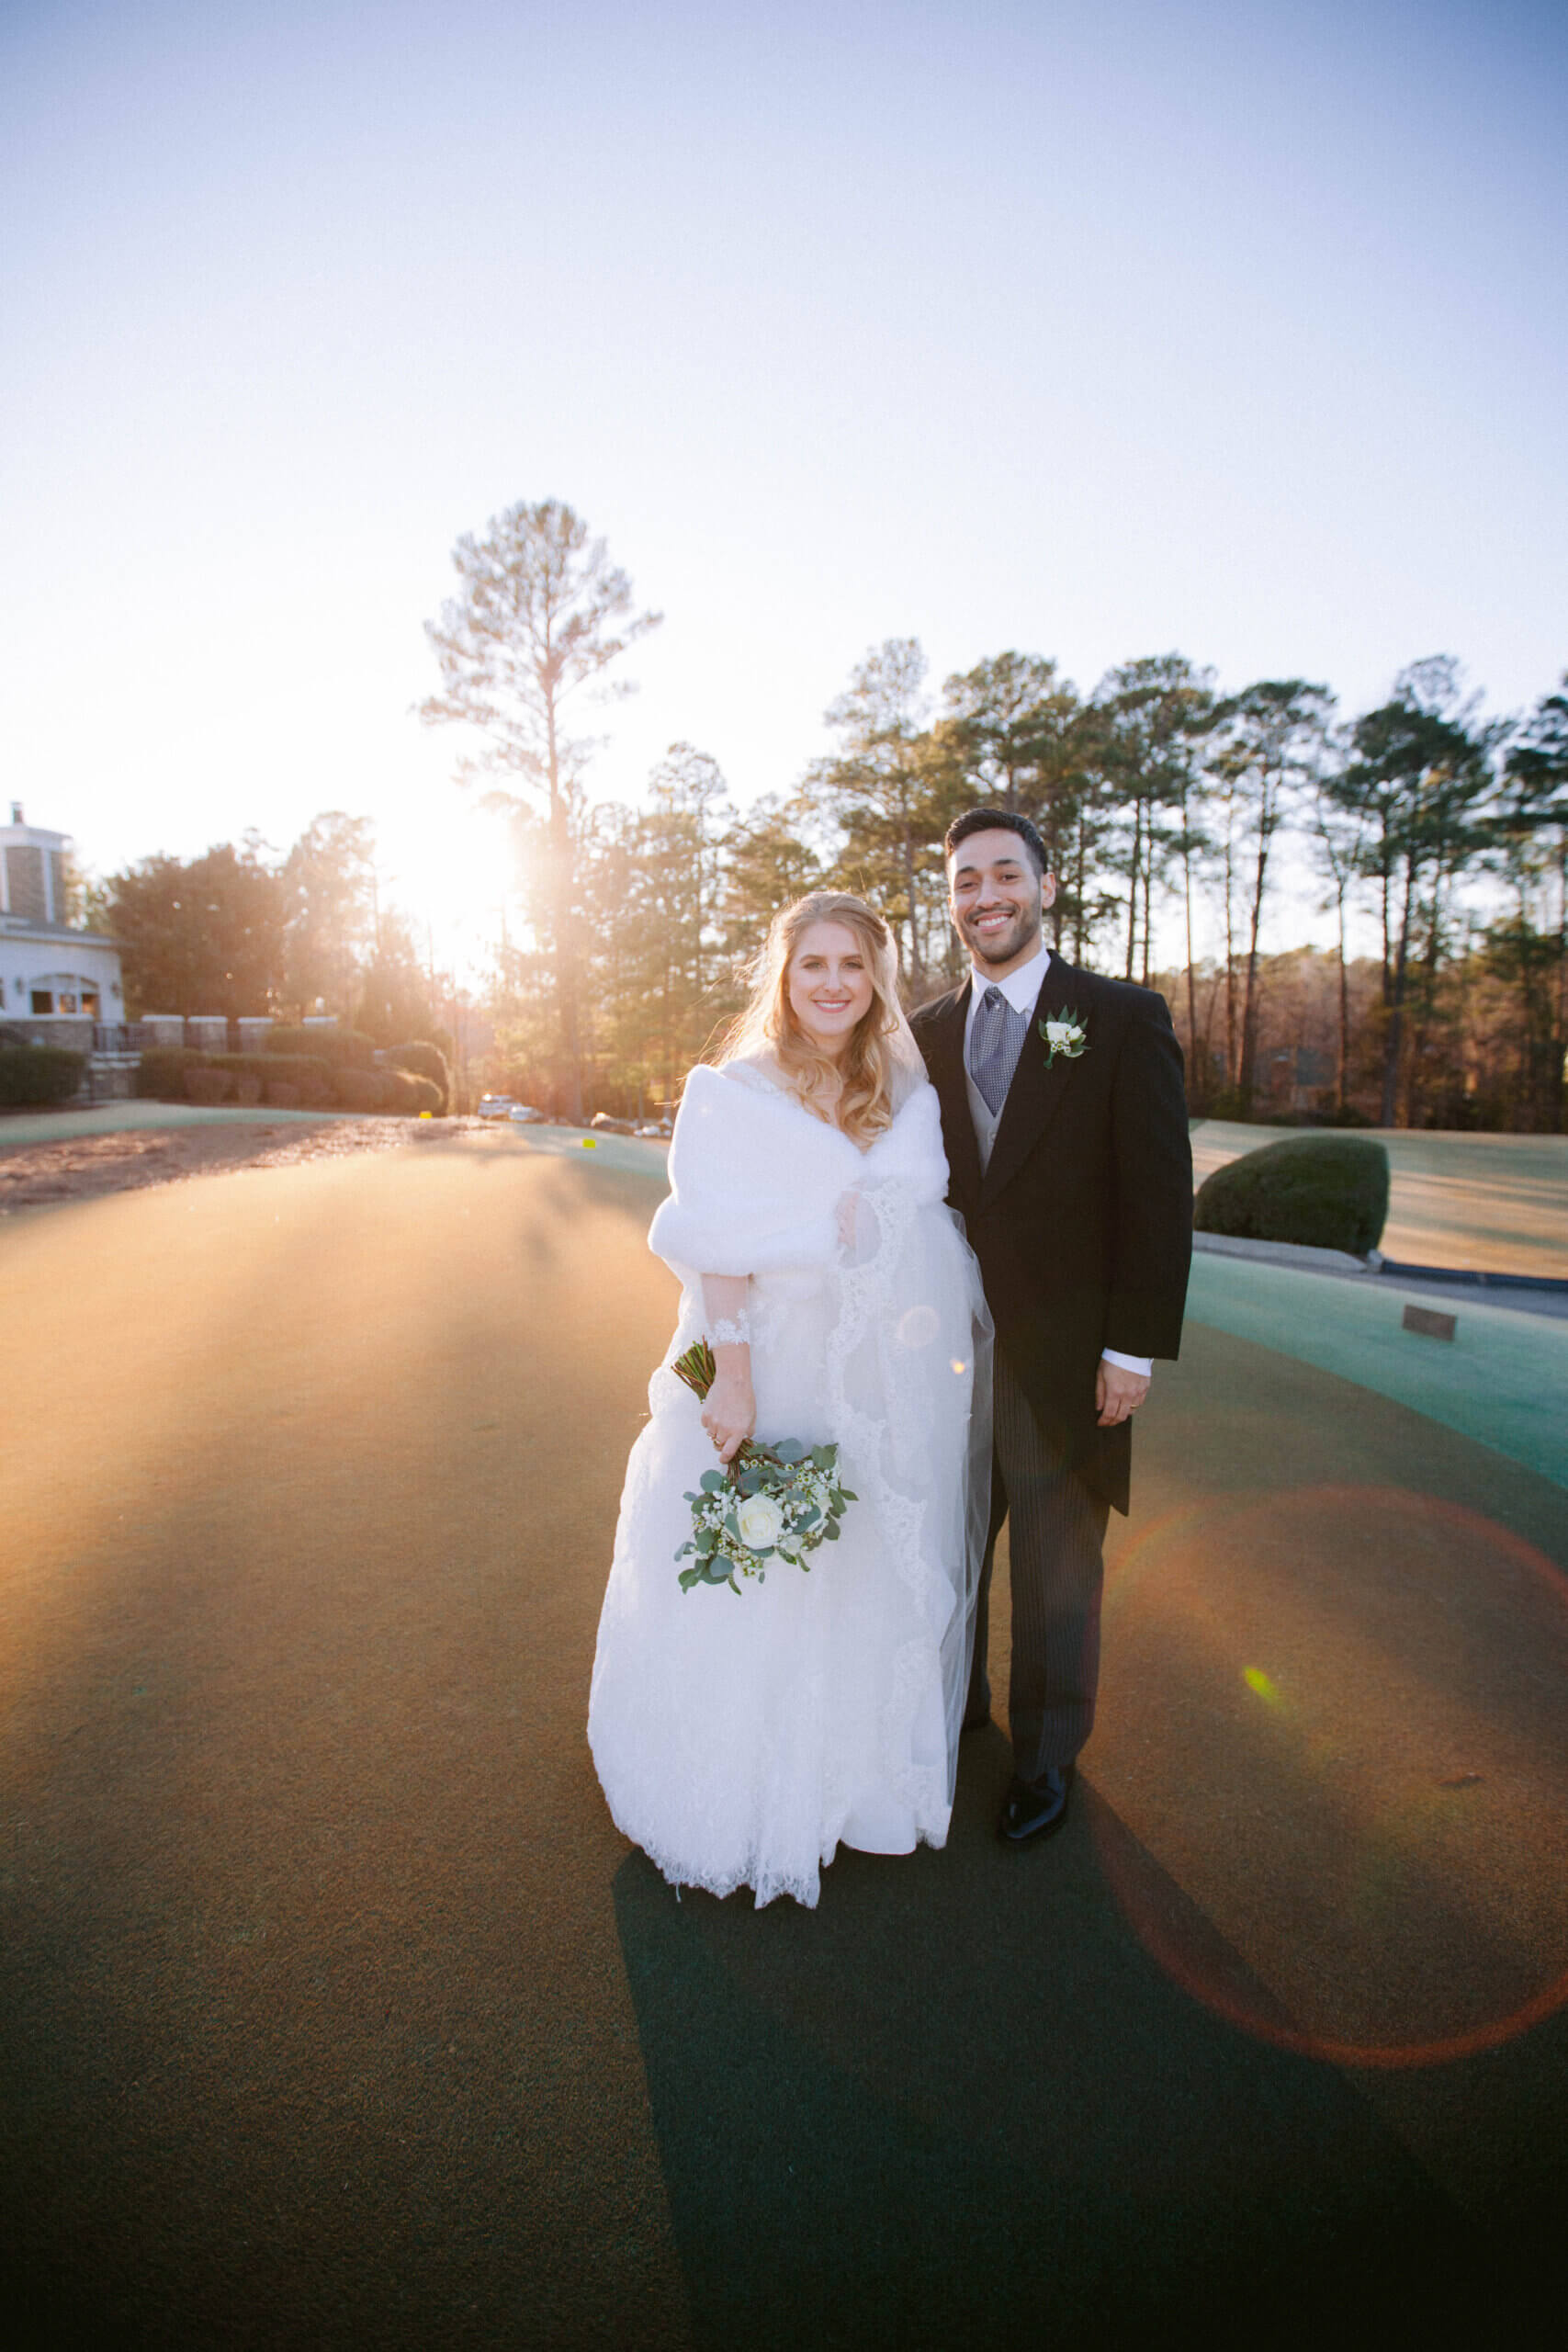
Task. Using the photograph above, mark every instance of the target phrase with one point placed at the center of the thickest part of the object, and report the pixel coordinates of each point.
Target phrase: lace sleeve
(725, 1310)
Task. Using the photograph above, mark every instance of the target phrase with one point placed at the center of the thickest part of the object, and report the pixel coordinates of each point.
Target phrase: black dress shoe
(1036, 1809)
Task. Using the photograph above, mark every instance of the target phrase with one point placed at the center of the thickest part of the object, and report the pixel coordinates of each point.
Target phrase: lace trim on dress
(731, 1331)
(872, 1448)
(843, 1727)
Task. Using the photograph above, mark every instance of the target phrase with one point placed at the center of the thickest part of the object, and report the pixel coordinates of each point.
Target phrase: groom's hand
(1118, 1392)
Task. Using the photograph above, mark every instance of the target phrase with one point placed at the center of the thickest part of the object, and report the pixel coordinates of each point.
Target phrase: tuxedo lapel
(1039, 1082)
(946, 1066)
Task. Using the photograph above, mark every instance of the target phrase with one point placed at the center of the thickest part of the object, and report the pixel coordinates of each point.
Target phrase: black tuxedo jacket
(1083, 1220)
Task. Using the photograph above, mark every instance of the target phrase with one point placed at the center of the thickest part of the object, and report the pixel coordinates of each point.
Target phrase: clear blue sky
(1234, 328)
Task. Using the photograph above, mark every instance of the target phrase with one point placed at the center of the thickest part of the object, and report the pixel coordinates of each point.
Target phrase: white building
(59, 986)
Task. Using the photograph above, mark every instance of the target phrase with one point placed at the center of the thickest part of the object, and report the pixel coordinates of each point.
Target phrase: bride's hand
(730, 1413)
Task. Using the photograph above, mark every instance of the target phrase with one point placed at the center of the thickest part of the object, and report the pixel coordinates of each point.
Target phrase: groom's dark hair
(994, 820)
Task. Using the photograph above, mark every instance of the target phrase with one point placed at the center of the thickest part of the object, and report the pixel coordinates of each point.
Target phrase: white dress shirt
(1021, 987)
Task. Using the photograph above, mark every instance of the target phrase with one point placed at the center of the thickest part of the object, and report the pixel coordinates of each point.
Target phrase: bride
(740, 1742)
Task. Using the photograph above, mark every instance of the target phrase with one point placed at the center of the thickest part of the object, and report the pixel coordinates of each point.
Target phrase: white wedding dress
(740, 1740)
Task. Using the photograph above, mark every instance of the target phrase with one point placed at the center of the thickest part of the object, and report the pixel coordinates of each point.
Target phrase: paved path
(337, 2014)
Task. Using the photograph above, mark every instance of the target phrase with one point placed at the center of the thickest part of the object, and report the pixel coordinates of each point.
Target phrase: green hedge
(1329, 1191)
(161, 1073)
(340, 1048)
(312, 1078)
(410, 1095)
(290, 1080)
(39, 1074)
(362, 1090)
(427, 1061)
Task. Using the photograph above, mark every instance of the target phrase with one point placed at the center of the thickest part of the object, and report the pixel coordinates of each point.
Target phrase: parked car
(660, 1129)
(523, 1114)
(603, 1123)
(495, 1106)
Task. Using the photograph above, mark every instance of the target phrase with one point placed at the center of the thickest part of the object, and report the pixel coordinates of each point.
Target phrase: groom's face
(996, 899)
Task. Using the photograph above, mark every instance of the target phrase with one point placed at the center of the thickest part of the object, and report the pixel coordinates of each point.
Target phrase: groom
(1065, 1127)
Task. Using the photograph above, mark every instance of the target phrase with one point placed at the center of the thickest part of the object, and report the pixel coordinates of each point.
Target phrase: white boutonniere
(1064, 1033)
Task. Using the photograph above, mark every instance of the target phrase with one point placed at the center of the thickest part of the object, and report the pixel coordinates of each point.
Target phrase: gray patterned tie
(995, 1045)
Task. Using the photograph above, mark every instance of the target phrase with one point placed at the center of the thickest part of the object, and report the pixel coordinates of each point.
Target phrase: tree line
(240, 931)
(1158, 795)
(1165, 805)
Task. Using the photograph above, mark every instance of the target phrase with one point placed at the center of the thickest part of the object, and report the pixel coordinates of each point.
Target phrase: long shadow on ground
(961, 2103)
(335, 2013)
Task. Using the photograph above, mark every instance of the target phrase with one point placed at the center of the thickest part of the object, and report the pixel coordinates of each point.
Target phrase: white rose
(761, 1522)
(1059, 1033)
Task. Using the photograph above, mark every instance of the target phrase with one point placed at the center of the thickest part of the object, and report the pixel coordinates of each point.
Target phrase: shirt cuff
(1143, 1366)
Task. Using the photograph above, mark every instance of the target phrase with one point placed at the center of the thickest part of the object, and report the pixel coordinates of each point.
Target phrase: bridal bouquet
(774, 1501)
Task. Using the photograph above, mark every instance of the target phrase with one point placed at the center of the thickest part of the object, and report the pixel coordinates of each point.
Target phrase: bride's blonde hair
(864, 1079)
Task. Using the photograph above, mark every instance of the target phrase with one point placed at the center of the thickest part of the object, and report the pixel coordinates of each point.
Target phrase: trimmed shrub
(362, 1090)
(281, 1096)
(408, 1094)
(248, 1088)
(311, 1076)
(207, 1085)
(39, 1074)
(427, 1061)
(339, 1048)
(1329, 1192)
(161, 1073)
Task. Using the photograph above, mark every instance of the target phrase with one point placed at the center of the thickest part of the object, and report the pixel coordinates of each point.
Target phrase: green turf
(120, 1118)
(335, 2012)
(1503, 1379)
(631, 1154)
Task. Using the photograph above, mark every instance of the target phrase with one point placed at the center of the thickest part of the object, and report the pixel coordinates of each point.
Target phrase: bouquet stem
(796, 1491)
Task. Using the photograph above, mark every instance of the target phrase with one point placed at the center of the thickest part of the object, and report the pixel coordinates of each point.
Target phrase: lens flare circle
(1151, 1918)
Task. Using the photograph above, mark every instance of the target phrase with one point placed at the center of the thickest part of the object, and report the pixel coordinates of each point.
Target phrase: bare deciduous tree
(540, 616)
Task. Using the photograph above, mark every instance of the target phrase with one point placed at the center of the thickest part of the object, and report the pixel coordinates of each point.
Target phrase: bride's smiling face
(829, 985)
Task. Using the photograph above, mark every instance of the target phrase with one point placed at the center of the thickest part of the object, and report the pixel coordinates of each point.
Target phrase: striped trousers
(1055, 1540)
